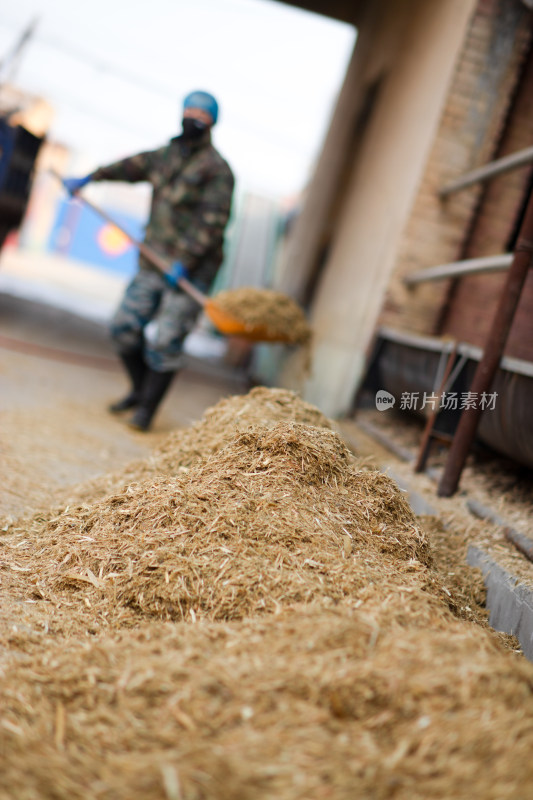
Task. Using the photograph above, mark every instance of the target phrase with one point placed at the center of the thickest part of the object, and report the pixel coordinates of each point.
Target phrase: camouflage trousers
(156, 318)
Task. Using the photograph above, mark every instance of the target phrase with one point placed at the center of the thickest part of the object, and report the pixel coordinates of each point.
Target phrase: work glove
(177, 271)
(73, 185)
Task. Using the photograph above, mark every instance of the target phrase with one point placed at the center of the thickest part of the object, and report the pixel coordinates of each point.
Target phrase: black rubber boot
(154, 388)
(136, 368)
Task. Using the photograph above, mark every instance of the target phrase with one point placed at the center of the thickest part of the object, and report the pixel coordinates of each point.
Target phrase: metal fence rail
(458, 269)
(489, 171)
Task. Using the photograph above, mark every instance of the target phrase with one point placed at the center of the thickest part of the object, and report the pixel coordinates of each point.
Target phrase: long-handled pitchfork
(224, 322)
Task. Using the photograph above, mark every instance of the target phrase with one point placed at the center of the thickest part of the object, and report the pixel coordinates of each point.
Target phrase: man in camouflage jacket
(191, 203)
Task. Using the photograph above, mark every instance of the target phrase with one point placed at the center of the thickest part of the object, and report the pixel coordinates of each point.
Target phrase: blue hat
(202, 100)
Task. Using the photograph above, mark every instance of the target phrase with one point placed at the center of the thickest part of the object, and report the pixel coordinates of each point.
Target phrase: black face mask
(192, 128)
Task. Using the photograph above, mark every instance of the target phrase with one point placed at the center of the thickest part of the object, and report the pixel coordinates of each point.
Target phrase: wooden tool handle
(154, 258)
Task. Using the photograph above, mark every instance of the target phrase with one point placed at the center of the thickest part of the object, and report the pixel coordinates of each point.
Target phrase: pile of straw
(277, 315)
(186, 446)
(251, 613)
(232, 415)
(279, 515)
(308, 704)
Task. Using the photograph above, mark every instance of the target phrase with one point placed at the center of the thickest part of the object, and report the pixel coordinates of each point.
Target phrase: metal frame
(492, 354)
(458, 269)
(488, 171)
(464, 349)
(473, 266)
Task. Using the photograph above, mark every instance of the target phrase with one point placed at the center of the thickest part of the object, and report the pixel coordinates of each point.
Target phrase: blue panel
(7, 144)
(79, 233)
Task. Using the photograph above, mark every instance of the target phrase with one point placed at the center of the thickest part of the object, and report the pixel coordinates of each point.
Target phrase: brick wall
(468, 135)
(473, 300)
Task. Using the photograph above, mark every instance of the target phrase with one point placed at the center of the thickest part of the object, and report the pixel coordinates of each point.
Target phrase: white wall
(382, 186)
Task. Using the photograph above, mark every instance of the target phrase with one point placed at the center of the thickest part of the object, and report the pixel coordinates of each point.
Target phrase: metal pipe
(458, 269)
(433, 344)
(493, 352)
(425, 444)
(488, 171)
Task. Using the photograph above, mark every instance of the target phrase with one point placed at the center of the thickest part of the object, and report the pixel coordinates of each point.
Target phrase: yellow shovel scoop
(226, 323)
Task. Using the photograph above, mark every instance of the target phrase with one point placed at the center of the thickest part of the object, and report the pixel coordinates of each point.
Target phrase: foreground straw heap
(251, 613)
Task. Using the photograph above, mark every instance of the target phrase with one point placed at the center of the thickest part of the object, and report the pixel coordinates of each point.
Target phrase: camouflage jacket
(191, 201)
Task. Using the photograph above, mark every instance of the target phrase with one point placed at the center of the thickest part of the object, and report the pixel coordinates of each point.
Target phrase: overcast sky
(117, 70)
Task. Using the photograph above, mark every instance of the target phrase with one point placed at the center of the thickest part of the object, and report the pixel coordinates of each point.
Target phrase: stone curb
(510, 603)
